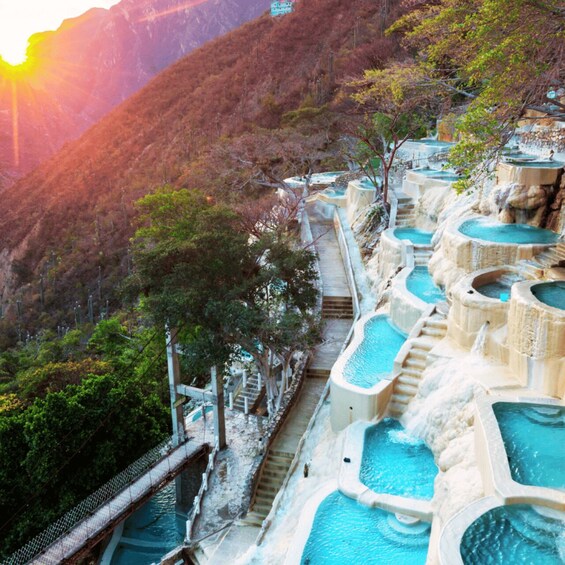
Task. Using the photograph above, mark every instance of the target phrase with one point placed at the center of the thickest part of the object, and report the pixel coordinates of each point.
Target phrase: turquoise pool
(374, 357)
(512, 535)
(494, 290)
(367, 184)
(421, 284)
(551, 293)
(432, 142)
(152, 531)
(395, 462)
(534, 439)
(334, 192)
(489, 230)
(414, 235)
(533, 164)
(345, 532)
(438, 174)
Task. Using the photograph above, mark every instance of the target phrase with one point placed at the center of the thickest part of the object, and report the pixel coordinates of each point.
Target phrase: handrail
(347, 263)
(294, 463)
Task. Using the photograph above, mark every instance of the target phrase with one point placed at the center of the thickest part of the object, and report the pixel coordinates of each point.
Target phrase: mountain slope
(95, 61)
(70, 220)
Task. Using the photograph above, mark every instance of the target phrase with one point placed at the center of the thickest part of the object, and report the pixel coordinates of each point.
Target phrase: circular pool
(518, 234)
(414, 235)
(514, 534)
(550, 293)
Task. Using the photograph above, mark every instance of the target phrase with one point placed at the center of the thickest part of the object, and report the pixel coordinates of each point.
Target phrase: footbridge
(94, 518)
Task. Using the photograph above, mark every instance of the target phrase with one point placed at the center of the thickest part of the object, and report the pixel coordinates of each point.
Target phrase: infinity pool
(367, 184)
(346, 532)
(551, 293)
(374, 357)
(534, 439)
(517, 534)
(489, 230)
(421, 284)
(395, 462)
(414, 235)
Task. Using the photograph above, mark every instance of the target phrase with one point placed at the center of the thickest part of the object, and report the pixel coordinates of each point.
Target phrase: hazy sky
(21, 18)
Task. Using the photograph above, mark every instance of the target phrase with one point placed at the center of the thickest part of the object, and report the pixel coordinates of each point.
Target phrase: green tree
(393, 105)
(499, 58)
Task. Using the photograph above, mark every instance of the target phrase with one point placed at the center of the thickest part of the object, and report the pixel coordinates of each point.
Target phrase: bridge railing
(89, 505)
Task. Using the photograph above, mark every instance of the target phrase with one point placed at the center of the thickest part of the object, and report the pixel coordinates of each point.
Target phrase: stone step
(276, 465)
(267, 490)
(404, 388)
(411, 373)
(253, 519)
(434, 323)
(409, 380)
(279, 458)
(317, 373)
(417, 353)
(395, 409)
(433, 332)
(415, 364)
(262, 509)
(402, 398)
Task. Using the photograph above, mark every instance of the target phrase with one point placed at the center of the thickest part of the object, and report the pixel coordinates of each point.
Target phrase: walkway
(92, 529)
(337, 316)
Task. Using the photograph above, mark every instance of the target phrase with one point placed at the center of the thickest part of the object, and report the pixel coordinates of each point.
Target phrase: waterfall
(480, 341)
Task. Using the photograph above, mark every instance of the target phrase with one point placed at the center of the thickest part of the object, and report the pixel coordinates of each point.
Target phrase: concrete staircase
(272, 478)
(252, 392)
(407, 383)
(405, 215)
(552, 257)
(337, 307)
(281, 454)
(422, 255)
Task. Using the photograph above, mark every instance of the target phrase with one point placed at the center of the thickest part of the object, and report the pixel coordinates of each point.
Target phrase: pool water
(373, 359)
(432, 142)
(494, 290)
(552, 294)
(421, 284)
(414, 235)
(534, 439)
(537, 164)
(395, 462)
(516, 534)
(367, 184)
(438, 174)
(488, 230)
(152, 531)
(346, 532)
(334, 192)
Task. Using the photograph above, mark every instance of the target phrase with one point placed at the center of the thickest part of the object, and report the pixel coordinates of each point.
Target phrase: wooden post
(219, 409)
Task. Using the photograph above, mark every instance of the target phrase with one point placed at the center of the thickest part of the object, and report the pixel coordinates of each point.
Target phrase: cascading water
(479, 345)
(442, 414)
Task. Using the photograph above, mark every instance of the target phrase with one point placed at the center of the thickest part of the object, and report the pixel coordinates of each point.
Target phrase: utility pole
(179, 430)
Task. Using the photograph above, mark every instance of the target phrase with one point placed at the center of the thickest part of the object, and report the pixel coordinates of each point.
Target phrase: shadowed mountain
(69, 221)
(78, 73)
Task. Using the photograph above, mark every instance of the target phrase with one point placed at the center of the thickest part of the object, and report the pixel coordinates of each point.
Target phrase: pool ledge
(350, 485)
(350, 402)
(493, 461)
(306, 521)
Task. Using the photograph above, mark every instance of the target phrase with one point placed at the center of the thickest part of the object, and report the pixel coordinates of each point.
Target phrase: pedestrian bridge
(94, 518)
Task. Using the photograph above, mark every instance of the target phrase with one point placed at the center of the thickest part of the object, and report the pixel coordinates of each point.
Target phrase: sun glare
(15, 56)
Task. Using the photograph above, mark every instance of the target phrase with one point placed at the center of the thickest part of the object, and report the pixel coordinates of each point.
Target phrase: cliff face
(94, 62)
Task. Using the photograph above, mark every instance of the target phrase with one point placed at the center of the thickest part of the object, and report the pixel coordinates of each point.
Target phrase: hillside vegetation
(70, 220)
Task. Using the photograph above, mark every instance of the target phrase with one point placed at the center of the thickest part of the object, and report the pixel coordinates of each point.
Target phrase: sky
(21, 18)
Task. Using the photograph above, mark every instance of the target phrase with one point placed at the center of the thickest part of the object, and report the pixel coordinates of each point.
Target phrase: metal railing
(89, 505)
